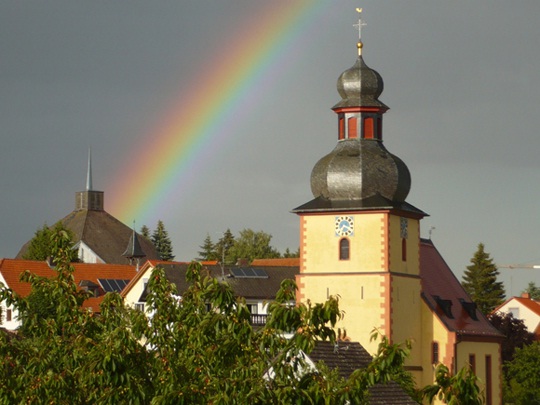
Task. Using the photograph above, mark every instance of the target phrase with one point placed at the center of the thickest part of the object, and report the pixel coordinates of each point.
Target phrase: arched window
(344, 249)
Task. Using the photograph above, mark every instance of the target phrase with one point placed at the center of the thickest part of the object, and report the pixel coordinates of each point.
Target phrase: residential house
(257, 284)
(96, 278)
(524, 308)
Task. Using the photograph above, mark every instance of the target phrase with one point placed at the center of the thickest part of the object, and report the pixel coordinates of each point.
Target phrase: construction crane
(518, 266)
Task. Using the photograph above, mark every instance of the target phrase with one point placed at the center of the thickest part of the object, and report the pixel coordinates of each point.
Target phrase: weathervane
(360, 24)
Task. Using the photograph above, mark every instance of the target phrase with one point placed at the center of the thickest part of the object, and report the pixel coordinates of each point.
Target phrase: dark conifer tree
(145, 231)
(207, 251)
(223, 246)
(533, 291)
(162, 243)
(480, 282)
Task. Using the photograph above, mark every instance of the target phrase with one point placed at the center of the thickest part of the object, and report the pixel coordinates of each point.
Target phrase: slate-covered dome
(358, 169)
(360, 86)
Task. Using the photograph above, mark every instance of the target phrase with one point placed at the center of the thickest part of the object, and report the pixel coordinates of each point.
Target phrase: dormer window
(470, 308)
(445, 306)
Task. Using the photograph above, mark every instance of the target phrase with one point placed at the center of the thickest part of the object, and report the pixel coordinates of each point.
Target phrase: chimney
(526, 295)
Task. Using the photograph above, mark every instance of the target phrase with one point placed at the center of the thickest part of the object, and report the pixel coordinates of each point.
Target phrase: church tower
(359, 238)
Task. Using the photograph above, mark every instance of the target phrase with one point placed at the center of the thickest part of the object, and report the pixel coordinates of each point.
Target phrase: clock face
(344, 225)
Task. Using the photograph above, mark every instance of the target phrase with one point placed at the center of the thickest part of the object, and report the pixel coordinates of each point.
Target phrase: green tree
(480, 281)
(515, 334)
(41, 245)
(288, 254)
(458, 389)
(524, 373)
(145, 231)
(253, 245)
(162, 243)
(223, 247)
(201, 349)
(208, 249)
(533, 291)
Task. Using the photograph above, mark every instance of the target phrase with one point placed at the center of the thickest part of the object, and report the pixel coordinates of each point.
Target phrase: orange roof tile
(281, 262)
(529, 303)
(11, 270)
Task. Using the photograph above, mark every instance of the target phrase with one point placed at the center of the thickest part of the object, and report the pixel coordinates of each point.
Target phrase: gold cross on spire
(360, 24)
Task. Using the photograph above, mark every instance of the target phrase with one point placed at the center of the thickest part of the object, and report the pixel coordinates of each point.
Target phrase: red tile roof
(11, 270)
(526, 302)
(439, 281)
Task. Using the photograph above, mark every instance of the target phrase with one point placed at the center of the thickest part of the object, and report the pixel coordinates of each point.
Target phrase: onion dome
(360, 85)
(360, 167)
(360, 173)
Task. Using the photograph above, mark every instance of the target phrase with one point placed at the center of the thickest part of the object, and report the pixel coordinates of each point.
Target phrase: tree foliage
(524, 376)
(198, 350)
(41, 245)
(480, 281)
(458, 389)
(253, 245)
(515, 334)
(533, 291)
(223, 248)
(208, 250)
(162, 243)
(145, 231)
(248, 245)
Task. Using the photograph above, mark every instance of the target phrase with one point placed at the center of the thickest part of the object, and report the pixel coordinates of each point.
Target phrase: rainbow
(186, 138)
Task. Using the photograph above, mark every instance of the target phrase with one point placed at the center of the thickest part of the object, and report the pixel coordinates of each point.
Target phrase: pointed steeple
(89, 171)
(134, 250)
(89, 199)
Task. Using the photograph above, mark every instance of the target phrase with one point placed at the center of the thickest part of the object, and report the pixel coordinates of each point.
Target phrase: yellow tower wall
(360, 300)
(377, 288)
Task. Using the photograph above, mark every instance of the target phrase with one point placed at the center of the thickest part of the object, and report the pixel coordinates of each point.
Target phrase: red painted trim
(342, 110)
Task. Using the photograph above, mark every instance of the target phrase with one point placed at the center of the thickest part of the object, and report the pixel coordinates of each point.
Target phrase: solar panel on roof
(112, 285)
(248, 273)
(260, 273)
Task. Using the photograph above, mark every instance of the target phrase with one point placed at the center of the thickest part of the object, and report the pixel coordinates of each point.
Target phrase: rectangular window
(404, 250)
(341, 134)
(368, 128)
(253, 309)
(435, 353)
(352, 123)
(140, 306)
(472, 363)
(489, 384)
(8, 315)
(514, 312)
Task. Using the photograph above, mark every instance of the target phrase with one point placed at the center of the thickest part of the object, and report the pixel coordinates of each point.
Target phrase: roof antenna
(89, 171)
(430, 231)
